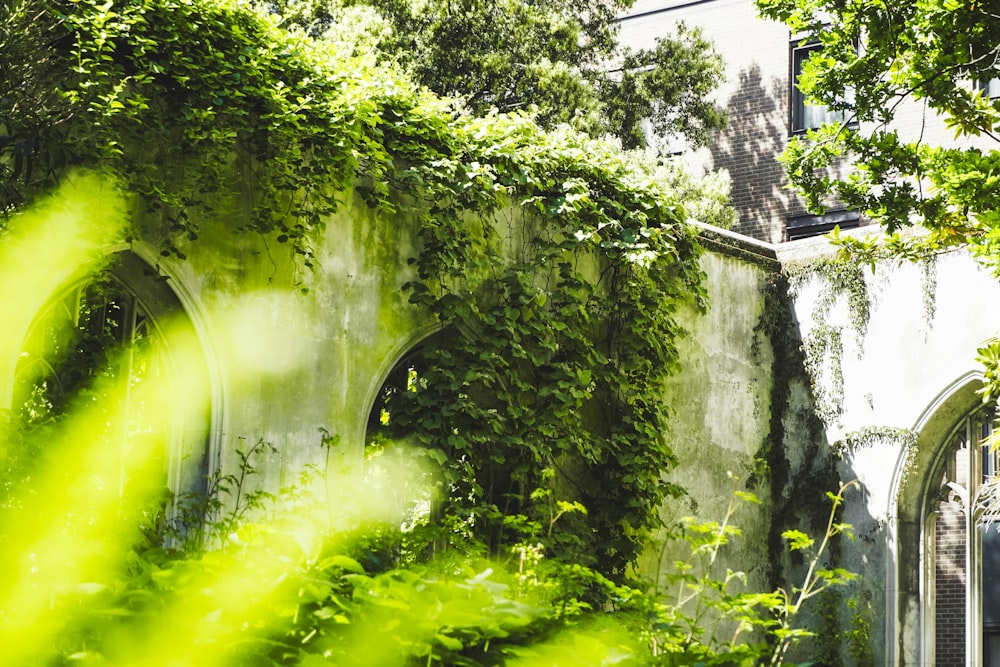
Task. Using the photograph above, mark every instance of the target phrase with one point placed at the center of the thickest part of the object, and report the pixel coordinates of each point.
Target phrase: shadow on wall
(798, 466)
(861, 613)
(749, 149)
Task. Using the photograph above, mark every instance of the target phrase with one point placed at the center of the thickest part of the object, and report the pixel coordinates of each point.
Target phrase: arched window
(110, 330)
(962, 549)
(387, 435)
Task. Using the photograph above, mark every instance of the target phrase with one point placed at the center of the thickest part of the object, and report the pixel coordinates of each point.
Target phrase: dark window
(808, 116)
(989, 87)
(803, 226)
(991, 648)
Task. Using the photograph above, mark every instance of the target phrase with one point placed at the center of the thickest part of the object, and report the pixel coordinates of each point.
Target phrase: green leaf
(797, 540)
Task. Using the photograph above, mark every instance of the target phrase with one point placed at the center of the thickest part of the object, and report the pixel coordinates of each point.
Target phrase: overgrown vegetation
(568, 313)
(824, 344)
(558, 270)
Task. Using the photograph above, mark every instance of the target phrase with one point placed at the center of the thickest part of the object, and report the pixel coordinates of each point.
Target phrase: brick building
(764, 109)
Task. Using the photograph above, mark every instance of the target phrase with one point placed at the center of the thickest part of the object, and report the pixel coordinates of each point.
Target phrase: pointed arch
(130, 303)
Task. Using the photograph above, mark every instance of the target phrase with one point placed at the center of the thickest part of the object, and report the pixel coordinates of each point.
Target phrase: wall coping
(773, 256)
(726, 242)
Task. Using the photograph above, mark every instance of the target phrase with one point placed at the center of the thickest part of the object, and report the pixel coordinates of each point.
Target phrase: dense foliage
(560, 59)
(567, 323)
(560, 271)
(882, 63)
(562, 336)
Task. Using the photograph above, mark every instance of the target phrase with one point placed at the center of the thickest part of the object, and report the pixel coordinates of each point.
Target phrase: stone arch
(918, 494)
(404, 348)
(146, 304)
(191, 316)
(412, 491)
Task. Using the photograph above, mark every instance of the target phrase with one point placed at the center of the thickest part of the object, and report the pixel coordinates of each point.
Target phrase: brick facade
(756, 94)
(949, 585)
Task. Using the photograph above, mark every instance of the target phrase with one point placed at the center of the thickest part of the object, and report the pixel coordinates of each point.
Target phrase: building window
(966, 549)
(989, 88)
(808, 116)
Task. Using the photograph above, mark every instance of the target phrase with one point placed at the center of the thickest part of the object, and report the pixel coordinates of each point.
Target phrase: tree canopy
(877, 62)
(561, 59)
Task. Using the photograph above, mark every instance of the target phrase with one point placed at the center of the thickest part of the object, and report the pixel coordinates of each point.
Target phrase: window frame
(145, 303)
(808, 225)
(988, 88)
(799, 52)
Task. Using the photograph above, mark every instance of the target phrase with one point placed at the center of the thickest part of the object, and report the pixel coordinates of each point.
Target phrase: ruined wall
(803, 376)
(761, 393)
(296, 350)
(720, 404)
(745, 419)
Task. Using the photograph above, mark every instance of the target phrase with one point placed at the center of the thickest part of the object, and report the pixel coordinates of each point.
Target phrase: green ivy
(555, 360)
(796, 497)
(557, 268)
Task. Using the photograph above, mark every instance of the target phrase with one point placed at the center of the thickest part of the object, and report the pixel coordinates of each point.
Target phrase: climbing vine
(553, 362)
(796, 494)
(928, 288)
(556, 268)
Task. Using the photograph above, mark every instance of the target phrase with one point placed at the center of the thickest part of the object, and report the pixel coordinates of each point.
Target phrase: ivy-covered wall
(314, 234)
(720, 405)
(296, 357)
(299, 354)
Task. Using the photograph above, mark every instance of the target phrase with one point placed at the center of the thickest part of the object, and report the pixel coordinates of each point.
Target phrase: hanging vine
(873, 436)
(823, 344)
(550, 379)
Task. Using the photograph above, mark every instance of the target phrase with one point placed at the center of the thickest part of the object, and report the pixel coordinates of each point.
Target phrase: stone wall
(295, 357)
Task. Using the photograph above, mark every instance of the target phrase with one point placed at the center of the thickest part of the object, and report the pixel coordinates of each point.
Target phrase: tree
(889, 54)
(560, 58)
(31, 108)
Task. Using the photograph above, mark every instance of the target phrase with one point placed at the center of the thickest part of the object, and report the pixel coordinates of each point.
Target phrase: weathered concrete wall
(720, 402)
(745, 420)
(289, 351)
(293, 351)
(297, 350)
(749, 400)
